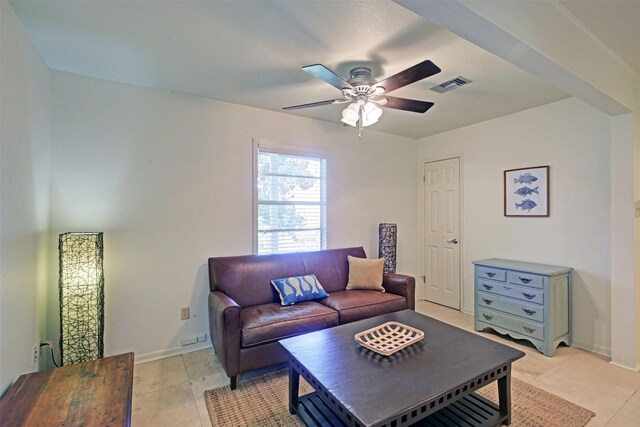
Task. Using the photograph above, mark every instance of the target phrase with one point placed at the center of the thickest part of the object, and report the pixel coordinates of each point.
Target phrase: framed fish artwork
(526, 191)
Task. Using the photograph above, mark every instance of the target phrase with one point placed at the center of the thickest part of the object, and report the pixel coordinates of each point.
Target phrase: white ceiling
(250, 53)
(614, 22)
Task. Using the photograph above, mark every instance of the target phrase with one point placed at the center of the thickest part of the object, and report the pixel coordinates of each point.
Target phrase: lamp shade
(370, 113)
(351, 114)
(81, 287)
(387, 243)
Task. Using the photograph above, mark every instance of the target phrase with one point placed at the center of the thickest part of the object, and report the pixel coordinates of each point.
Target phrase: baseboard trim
(628, 368)
(170, 352)
(604, 351)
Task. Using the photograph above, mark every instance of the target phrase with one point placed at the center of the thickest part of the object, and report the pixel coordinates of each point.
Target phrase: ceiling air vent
(451, 84)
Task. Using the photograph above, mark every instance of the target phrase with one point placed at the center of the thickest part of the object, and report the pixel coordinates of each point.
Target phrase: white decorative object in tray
(389, 337)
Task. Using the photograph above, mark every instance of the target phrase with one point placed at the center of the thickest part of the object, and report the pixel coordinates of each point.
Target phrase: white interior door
(442, 232)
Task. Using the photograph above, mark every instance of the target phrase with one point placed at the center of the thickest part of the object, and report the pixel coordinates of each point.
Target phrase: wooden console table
(96, 393)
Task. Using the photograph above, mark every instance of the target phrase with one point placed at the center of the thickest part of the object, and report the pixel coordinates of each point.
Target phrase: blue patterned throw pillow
(299, 288)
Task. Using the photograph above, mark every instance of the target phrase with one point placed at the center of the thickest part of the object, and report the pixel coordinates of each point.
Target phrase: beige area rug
(263, 401)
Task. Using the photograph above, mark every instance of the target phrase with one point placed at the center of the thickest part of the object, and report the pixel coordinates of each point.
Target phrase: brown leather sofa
(246, 319)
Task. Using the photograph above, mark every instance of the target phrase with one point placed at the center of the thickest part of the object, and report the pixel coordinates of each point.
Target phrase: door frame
(421, 224)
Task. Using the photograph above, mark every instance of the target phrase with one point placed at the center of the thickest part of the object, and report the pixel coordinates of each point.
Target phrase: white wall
(168, 178)
(572, 138)
(24, 205)
(624, 295)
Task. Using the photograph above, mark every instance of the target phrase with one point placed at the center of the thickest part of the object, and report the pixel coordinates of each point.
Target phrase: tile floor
(169, 392)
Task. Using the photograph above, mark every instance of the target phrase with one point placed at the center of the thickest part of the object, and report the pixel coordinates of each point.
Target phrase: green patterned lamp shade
(81, 286)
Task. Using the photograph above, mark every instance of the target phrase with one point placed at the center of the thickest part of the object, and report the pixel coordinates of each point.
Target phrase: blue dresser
(524, 300)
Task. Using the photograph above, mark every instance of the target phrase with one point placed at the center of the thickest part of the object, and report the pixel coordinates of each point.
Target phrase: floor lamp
(81, 287)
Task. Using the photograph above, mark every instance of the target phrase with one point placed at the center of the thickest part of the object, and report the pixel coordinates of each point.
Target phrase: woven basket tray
(388, 338)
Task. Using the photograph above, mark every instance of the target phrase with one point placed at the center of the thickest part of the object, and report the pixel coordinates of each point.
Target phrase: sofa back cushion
(331, 266)
(247, 278)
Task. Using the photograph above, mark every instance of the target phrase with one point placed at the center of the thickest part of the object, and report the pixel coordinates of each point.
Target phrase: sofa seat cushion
(361, 304)
(271, 322)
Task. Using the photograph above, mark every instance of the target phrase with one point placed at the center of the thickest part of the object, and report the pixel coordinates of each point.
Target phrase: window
(290, 201)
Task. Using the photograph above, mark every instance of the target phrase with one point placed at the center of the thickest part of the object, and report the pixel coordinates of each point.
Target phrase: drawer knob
(528, 296)
(524, 279)
(487, 301)
(487, 287)
(490, 274)
(529, 311)
(507, 288)
(528, 329)
(487, 316)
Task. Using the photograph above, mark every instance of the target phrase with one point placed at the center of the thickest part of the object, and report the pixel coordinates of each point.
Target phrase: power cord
(50, 345)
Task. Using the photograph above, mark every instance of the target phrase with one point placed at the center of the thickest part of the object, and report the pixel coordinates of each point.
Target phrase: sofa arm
(224, 329)
(401, 285)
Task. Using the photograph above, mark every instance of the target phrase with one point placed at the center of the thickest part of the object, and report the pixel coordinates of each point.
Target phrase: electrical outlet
(188, 341)
(184, 313)
(35, 353)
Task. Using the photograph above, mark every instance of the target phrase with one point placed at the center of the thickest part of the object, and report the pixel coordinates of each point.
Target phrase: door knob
(453, 241)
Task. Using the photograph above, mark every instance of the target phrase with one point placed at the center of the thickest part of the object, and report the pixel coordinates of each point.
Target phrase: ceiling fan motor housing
(360, 79)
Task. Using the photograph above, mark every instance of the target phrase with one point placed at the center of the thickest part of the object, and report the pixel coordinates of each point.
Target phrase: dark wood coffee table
(429, 383)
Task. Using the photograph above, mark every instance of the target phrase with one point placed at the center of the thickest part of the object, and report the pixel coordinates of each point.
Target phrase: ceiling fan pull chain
(360, 121)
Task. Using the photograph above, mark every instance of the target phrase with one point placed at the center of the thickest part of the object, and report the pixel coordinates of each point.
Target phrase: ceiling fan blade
(323, 73)
(407, 104)
(410, 75)
(316, 104)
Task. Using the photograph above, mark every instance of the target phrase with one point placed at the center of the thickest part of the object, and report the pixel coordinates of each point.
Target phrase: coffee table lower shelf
(471, 410)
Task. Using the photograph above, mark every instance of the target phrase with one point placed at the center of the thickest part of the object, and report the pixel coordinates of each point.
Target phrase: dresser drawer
(525, 279)
(521, 309)
(512, 323)
(518, 292)
(491, 273)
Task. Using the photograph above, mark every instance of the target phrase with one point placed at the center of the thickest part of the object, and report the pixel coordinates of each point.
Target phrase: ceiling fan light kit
(366, 96)
(361, 115)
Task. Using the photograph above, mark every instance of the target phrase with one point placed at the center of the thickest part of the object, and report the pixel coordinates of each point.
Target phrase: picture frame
(526, 191)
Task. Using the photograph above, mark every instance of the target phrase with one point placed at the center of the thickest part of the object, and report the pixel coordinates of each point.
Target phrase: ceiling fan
(365, 95)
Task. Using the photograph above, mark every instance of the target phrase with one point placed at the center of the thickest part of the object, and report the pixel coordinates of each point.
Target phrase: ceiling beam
(544, 39)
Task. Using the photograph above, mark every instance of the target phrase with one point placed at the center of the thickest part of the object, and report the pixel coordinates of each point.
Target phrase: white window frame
(279, 148)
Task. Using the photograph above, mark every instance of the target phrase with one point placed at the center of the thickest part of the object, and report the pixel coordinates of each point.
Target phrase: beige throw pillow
(365, 273)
